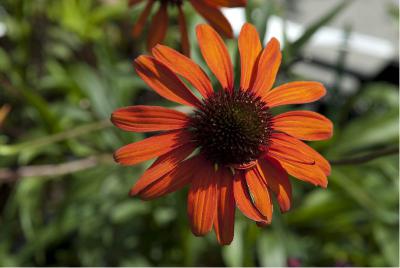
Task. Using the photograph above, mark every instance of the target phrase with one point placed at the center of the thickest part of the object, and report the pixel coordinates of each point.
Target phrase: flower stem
(47, 140)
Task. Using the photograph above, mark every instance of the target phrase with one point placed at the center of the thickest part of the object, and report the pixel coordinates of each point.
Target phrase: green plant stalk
(6, 150)
(339, 73)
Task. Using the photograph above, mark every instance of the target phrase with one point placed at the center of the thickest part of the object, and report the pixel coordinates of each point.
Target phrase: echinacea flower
(231, 150)
(209, 9)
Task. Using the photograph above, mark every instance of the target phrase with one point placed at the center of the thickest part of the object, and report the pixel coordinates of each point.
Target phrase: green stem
(69, 134)
(367, 157)
(253, 231)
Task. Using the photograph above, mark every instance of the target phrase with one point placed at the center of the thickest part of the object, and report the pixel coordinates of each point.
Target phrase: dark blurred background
(65, 65)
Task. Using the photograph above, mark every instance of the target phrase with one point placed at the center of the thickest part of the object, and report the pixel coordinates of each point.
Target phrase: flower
(244, 153)
(209, 9)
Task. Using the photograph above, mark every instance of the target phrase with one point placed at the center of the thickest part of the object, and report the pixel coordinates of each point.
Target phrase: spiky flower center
(232, 128)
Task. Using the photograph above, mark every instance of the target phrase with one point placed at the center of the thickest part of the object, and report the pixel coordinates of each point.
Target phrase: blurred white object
(2, 29)
(332, 37)
(367, 52)
(326, 36)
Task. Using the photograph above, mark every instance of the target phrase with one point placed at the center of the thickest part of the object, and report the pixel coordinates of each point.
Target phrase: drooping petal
(202, 200)
(282, 148)
(249, 49)
(162, 80)
(158, 27)
(308, 173)
(216, 55)
(214, 16)
(305, 125)
(149, 148)
(295, 93)
(225, 217)
(259, 192)
(143, 118)
(138, 27)
(320, 161)
(227, 3)
(184, 33)
(278, 181)
(172, 181)
(163, 165)
(243, 199)
(185, 67)
(267, 68)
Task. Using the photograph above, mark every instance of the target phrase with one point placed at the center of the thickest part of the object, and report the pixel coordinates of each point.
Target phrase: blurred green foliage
(65, 65)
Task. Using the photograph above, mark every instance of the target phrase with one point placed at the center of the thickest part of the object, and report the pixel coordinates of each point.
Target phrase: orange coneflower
(244, 152)
(209, 9)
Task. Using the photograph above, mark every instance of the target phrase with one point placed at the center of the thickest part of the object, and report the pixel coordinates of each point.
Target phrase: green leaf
(41, 106)
(388, 242)
(376, 124)
(107, 12)
(318, 204)
(367, 132)
(5, 62)
(345, 178)
(271, 249)
(125, 211)
(94, 87)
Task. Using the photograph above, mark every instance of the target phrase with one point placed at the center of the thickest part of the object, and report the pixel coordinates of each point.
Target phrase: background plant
(66, 65)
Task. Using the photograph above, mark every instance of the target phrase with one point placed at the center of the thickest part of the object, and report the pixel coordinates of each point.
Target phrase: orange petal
(259, 192)
(149, 148)
(202, 200)
(184, 33)
(225, 217)
(320, 161)
(216, 55)
(249, 49)
(308, 173)
(138, 27)
(163, 165)
(164, 81)
(278, 181)
(267, 68)
(283, 148)
(158, 27)
(243, 199)
(172, 181)
(305, 125)
(295, 93)
(214, 16)
(227, 3)
(143, 118)
(185, 67)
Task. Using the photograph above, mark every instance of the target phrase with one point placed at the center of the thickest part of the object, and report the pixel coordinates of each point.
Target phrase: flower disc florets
(232, 128)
